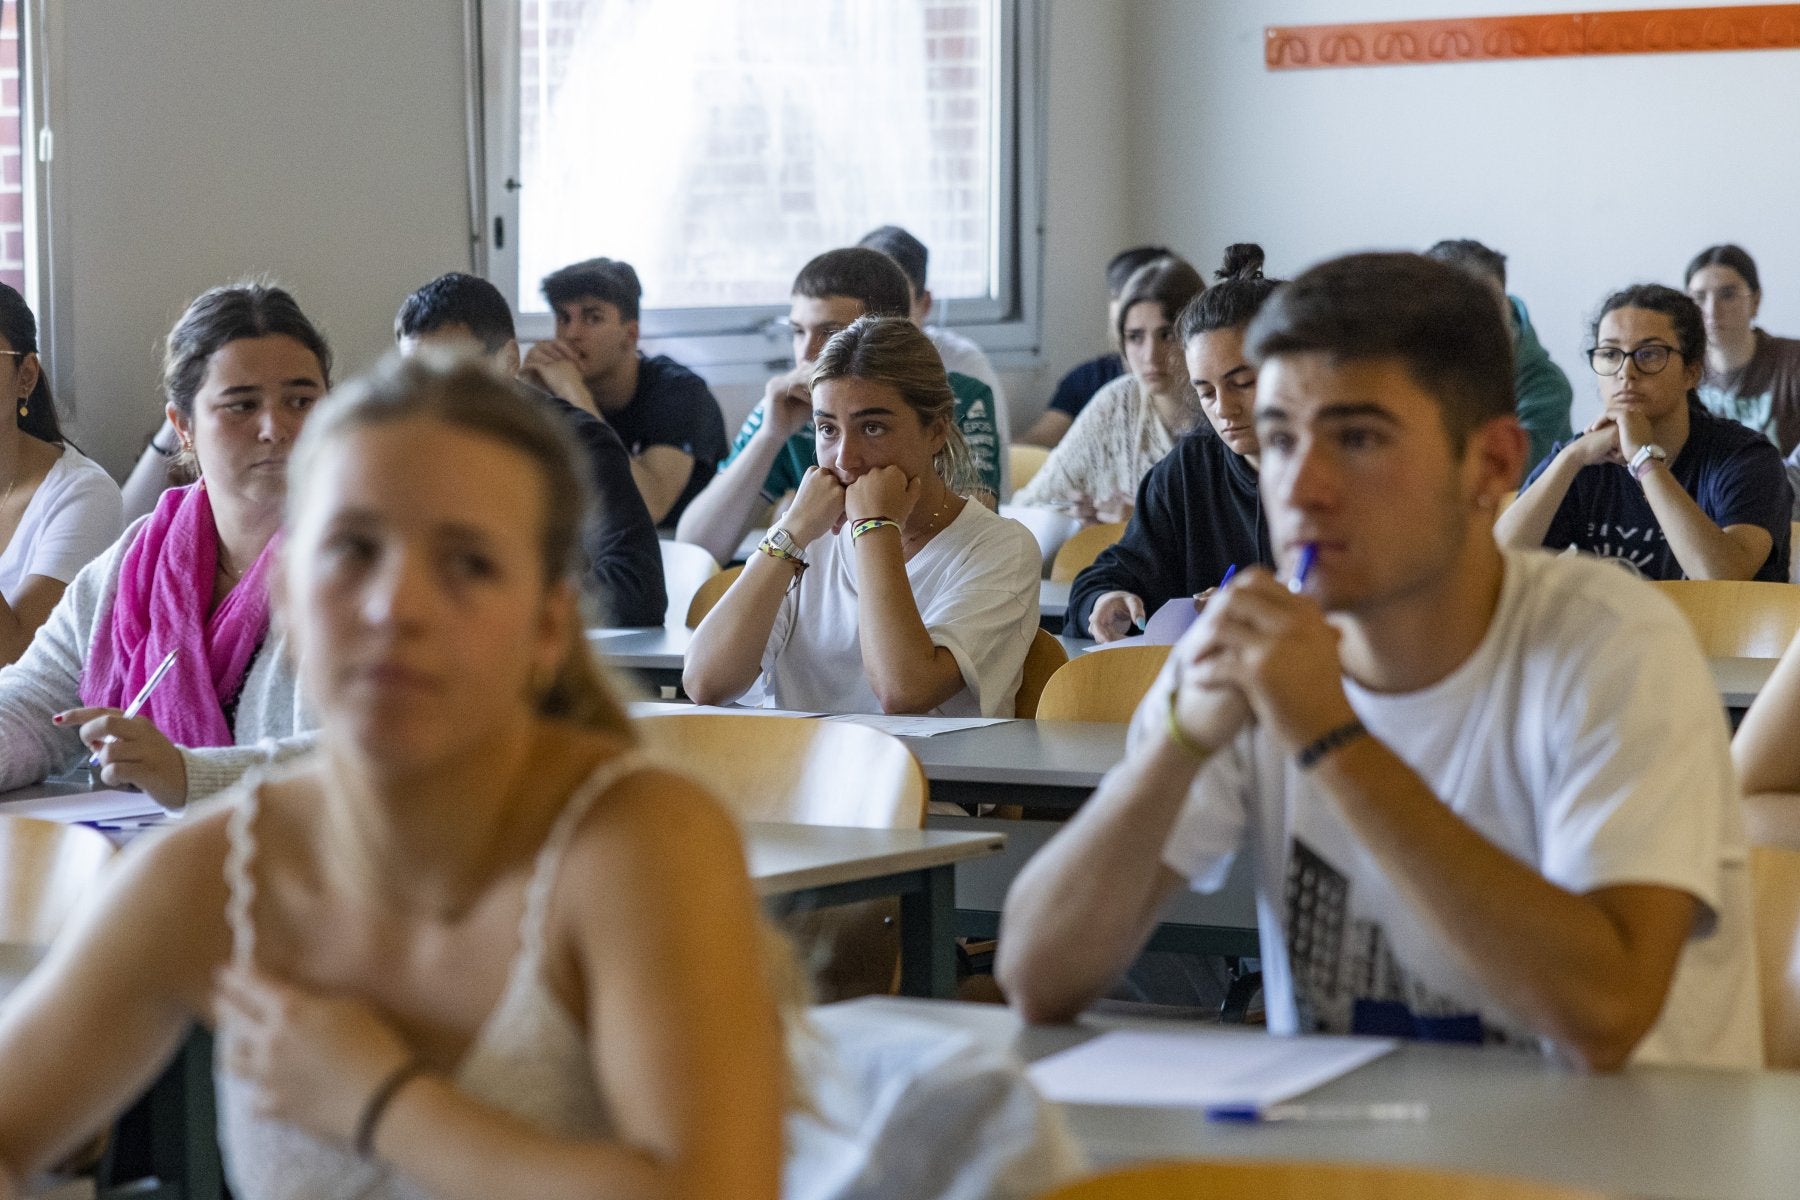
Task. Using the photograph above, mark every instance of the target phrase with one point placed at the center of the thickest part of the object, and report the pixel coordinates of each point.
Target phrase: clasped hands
(1613, 437)
(1259, 652)
(824, 502)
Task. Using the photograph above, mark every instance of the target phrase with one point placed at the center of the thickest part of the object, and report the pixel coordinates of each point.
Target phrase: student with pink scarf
(242, 370)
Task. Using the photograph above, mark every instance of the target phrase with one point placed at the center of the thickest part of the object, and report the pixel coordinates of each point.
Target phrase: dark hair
(1123, 265)
(904, 249)
(895, 352)
(1727, 255)
(1168, 281)
(466, 396)
(1440, 321)
(222, 315)
(1679, 307)
(857, 273)
(605, 279)
(19, 327)
(1482, 261)
(458, 299)
(1234, 300)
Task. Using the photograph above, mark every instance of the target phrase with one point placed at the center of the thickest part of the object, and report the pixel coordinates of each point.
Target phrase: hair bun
(1243, 260)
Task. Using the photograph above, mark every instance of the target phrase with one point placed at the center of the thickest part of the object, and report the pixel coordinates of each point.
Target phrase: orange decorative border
(1550, 35)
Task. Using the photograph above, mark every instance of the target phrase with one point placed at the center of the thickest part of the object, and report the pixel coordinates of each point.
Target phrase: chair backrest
(685, 568)
(1023, 461)
(1737, 618)
(1101, 685)
(1083, 548)
(45, 869)
(799, 770)
(708, 594)
(1043, 660)
(1794, 559)
(1775, 890)
(1306, 1181)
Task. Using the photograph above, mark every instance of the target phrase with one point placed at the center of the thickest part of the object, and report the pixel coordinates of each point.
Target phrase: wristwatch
(784, 541)
(1641, 460)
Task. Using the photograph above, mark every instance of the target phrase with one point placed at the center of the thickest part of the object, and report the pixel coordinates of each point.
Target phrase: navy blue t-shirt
(672, 406)
(1083, 380)
(1733, 473)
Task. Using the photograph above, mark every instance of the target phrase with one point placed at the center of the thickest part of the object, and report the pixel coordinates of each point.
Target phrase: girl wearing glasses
(1657, 480)
(58, 508)
(1750, 376)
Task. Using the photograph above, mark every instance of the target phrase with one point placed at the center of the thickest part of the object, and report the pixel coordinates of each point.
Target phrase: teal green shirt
(974, 416)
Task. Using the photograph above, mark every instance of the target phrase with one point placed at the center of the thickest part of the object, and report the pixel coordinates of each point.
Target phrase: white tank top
(529, 1059)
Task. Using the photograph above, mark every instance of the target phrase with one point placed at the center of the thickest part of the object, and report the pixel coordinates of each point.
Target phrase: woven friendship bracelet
(1178, 735)
(870, 525)
(378, 1103)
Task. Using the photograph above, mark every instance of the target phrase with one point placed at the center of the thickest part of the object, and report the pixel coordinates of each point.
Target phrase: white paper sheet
(918, 726)
(87, 807)
(662, 708)
(1198, 1068)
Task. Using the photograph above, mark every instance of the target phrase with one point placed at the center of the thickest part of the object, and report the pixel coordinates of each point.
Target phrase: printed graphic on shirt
(1756, 410)
(1640, 546)
(1346, 978)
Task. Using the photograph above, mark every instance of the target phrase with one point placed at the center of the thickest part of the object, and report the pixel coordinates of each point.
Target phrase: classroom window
(718, 144)
(12, 151)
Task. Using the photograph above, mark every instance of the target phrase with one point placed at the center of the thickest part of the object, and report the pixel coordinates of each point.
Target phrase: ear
(506, 358)
(1755, 303)
(559, 619)
(922, 307)
(631, 332)
(30, 369)
(1692, 371)
(182, 429)
(1494, 460)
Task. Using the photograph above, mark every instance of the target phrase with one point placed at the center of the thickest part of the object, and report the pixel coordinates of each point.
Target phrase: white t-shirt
(966, 358)
(1584, 737)
(976, 585)
(74, 515)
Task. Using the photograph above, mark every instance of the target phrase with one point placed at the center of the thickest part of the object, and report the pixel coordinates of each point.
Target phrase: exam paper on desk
(1199, 1068)
(89, 807)
(902, 726)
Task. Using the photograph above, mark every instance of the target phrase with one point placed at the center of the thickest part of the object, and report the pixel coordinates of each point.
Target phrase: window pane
(12, 173)
(718, 144)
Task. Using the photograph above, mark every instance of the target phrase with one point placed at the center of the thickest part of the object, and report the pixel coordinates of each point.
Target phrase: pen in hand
(138, 701)
(1309, 554)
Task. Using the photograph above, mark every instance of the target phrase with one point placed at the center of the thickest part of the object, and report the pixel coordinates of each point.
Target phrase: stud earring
(25, 407)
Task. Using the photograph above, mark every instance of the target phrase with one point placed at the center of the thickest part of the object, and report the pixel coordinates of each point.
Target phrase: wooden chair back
(685, 568)
(1737, 618)
(1206, 1180)
(1082, 548)
(806, 771)
(709, 593)
(1045, 658)
(798, 770)
(1023, 461)
(1793, 560)
(45, 869)
(1775, 892)
(1102, 685)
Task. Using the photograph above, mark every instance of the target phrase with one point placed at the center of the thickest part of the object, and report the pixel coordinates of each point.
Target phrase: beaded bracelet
(1325, 743)
(870, 525)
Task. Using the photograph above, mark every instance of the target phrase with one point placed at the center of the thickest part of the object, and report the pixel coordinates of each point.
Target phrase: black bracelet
(1325, 743)
(378, 1102)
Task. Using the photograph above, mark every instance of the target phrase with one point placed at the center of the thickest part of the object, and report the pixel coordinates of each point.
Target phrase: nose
(813, 346)
(1307, 481)
(279, 424)
(397, 592)
(849, 455)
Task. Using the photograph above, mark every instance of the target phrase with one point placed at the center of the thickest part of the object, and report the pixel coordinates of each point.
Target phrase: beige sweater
(1107, 452)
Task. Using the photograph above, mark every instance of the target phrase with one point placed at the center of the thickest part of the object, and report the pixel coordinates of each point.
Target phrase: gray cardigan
(271, 723)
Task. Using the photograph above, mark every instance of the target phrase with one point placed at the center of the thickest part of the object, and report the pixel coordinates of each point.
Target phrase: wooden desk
(1659, 1132)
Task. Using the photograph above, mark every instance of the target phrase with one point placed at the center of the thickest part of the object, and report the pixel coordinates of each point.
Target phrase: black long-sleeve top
(1197, 514)
(624, 557)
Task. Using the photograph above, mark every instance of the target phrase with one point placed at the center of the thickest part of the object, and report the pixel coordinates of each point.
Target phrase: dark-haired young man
(663, 412)
(770, 455)
(1488, 794)
(1082, 380)
(464, 313)
(1543, 390)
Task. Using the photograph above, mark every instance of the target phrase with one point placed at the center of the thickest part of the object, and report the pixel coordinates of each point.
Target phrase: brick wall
(754, 195)
(12, 198)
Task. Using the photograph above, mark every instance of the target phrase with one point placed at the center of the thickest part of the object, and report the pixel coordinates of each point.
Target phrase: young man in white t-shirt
(1488, 795)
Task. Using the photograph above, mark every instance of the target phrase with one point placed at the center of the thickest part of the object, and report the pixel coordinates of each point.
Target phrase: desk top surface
(1646, 1131)
(789, 858)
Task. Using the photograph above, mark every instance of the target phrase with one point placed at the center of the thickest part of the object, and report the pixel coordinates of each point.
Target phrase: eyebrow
(1649, 341)
(1344, 410)
(861, 412)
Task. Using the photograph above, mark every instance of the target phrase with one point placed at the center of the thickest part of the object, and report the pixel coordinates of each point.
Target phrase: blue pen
(1267, 1114)
(1226, 577)
(1309, 554)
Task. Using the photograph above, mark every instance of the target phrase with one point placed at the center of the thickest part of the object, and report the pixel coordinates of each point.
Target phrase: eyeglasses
(1610, 360)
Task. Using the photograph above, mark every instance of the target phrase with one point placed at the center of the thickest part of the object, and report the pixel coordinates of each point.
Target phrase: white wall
(205, 140)
(1588, 173)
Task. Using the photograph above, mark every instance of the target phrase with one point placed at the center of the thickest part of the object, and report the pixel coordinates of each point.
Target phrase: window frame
(41, 99)
(741, 344)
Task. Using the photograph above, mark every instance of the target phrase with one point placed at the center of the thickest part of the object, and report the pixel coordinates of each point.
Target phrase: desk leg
(927, 928)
